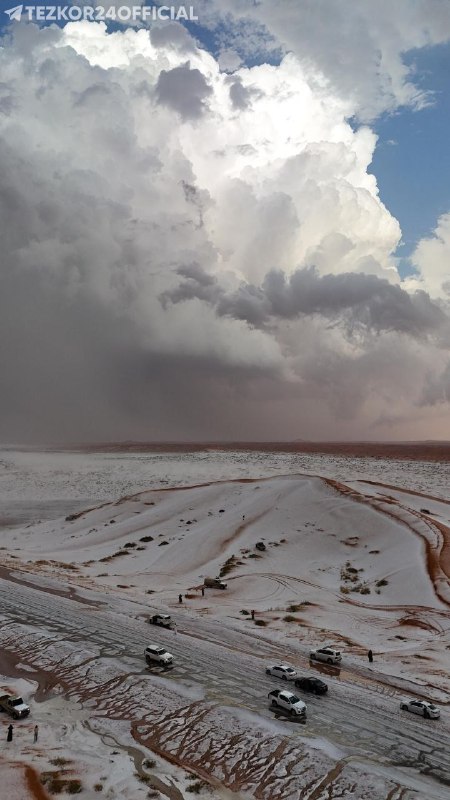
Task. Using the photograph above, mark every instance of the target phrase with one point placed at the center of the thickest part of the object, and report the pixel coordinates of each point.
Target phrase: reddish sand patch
(415, 451)
(37, 791)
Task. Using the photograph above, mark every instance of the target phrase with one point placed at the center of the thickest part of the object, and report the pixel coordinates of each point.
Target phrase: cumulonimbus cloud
(124, 193)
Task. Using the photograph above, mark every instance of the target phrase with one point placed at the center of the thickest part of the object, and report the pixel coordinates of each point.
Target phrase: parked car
(155, 654)
(288, 702)
(314, 685)
(14, 706)
(421, 707)
(282, 671)
(161, 619)
(214, 583)
(327, 655)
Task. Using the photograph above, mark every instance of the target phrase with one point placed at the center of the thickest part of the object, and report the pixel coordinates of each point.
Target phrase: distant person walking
(370, 656)
(203, 591)
(180, 598)
(36, 733)
(253, 614)
(9, 736)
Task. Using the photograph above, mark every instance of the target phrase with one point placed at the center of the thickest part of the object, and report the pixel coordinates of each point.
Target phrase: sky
(233, 229)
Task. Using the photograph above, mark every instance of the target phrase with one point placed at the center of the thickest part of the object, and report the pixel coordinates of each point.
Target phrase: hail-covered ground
(348, 561)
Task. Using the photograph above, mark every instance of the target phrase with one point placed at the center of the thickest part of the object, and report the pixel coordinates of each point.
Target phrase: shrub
(196, 787)
(244, 611)
(344, 590)
(290, 618)
(60, 761)
(163, 542)
(365, 590)
(383, 582)
(146, 539)
(98, 787)
(149, 763)
(294, 607)
(74, 786)
(260, 622)
(130, 544)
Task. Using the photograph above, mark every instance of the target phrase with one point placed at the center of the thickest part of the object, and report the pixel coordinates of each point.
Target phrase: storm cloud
(181, 263)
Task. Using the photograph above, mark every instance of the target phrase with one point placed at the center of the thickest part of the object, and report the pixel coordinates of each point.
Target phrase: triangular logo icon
(15, 13)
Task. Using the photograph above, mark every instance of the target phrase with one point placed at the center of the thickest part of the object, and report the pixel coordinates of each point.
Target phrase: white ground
(316, 537)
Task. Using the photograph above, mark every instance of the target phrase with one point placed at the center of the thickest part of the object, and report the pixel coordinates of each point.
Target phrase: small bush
(254, 555)
(196, 787)
(130, 544)
(74, 786)
(383, 582)
(262, 623)
(244, 611)
(344, 590)
(56, 785)
(373, 552)
(365, 590)
(149, 763)
(163, 542)
(60, 761)
(290, 618)
(295, 607)
(146, 539)
(98, 787)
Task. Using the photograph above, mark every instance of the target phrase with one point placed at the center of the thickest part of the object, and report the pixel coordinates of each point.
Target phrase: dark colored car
(314, 685)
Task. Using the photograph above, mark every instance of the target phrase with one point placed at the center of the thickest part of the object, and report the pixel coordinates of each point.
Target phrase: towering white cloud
(185, 248)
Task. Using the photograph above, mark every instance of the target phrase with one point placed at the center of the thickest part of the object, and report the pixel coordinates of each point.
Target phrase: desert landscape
(351, 564)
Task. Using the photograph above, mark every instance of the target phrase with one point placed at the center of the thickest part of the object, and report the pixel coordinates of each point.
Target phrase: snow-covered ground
(347, 563)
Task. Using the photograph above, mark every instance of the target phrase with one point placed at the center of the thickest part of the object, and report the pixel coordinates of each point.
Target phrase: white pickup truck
(14, 706)
(288, 702)
(165, 620)
(155, 654)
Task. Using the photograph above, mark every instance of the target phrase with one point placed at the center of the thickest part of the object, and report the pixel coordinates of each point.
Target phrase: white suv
(327, 655)
(155, 654)
(282, 671)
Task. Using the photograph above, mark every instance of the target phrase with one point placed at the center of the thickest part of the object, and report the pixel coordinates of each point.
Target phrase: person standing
(253, 614)
(203, 591)
(36, 733)
(180, 598)
(370, 656)
(10, 733)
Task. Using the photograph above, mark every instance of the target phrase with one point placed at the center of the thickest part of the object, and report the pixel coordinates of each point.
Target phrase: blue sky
(412, 159)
